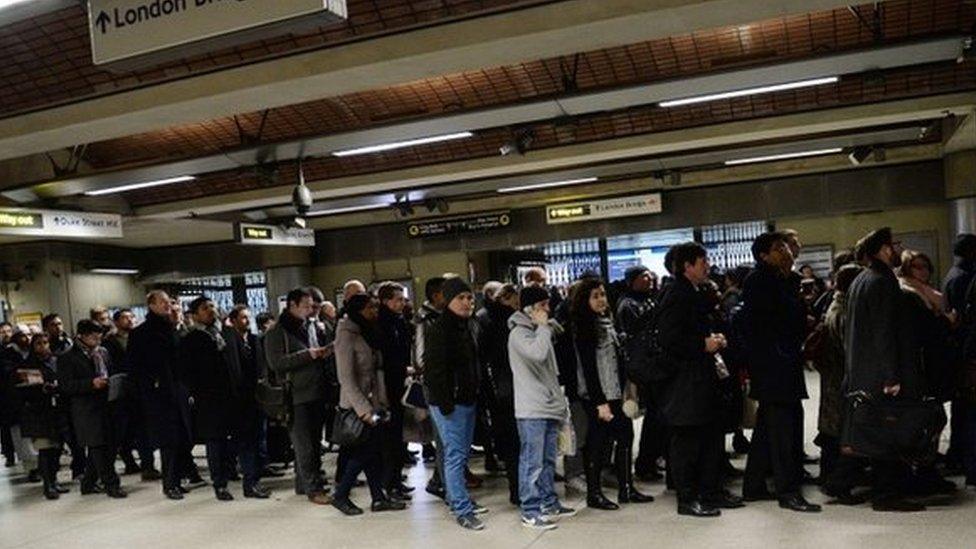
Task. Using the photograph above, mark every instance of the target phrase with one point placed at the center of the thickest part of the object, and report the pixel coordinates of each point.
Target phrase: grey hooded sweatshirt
(534, 371)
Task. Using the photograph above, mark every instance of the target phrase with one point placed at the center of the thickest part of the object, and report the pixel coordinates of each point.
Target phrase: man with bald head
(152, 356)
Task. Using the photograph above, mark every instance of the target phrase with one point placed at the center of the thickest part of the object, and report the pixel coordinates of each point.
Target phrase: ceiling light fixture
(401, 144)
(548, 185)
(749, 91)
(347, 209)
(134, 186)
(114, 271)
(9, 3)
(784, 156)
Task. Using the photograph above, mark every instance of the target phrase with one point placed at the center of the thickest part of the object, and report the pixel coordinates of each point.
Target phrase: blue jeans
(457, 432)
(537, 465)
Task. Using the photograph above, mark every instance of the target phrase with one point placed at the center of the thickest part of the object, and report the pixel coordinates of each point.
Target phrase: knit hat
(633, 273)
(530, 295)
(455, 286)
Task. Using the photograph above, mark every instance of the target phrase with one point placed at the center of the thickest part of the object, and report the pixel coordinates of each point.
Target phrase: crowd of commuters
(527, 373)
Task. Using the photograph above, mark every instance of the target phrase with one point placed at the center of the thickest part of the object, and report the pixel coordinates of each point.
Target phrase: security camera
(301, 199)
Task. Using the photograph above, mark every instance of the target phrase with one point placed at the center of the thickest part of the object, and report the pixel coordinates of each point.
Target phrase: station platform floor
(148, 521)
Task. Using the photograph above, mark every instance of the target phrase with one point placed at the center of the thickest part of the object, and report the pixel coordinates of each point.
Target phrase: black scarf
(295, 326)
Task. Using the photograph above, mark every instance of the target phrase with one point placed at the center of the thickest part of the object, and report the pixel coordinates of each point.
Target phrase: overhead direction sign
(459, 224)
(57, 223)
(603, 209)
(255, 234)
(130, 33)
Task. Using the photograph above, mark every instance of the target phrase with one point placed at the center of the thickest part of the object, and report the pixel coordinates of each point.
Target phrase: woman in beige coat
(362, 390)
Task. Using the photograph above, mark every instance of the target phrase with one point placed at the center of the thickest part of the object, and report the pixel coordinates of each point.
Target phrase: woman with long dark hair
(362, 389)
(601, 387)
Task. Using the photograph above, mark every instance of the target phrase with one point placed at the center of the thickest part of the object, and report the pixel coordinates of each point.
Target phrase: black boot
(627, 493)
(594, 492)
(49, 473)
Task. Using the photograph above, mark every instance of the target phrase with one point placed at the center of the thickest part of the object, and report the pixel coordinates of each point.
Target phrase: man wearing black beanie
(451, 372)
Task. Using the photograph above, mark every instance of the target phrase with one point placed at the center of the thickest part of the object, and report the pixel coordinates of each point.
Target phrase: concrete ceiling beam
(543, 31)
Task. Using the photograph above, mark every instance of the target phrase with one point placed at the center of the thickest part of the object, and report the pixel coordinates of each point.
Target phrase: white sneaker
(537, 523)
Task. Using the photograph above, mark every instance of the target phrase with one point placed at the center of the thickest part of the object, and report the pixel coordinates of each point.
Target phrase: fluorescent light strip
(115, 271)
(401, 144)
(145, 185)
(10, 3)
(785, 156)
(348, 209)
(750, 91)
(547, 185)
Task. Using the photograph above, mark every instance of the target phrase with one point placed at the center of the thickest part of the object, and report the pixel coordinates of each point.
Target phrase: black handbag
(413, 395)
(883, 427)
(275, 399)
(347, 428)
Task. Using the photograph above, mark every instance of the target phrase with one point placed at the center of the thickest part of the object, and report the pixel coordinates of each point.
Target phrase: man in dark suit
(775, 325)
(152, 356)
(241, 357)
(689, 397)
(83, 375)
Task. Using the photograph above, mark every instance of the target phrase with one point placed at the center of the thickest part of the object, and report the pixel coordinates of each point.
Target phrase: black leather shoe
(896, 505)
(406, 489)
(697, 509)
(257, 492)
(796, 502)
(347, 507)
(151, 474)
(631, 495)
(387, 505)
(223, 494)
(116, 493)
(601, 502)
(91, 489)
(758, 496)
(173, 493)
(398, 495)
(842, 496)
(51, 493)
(437, 491)
(725, 500)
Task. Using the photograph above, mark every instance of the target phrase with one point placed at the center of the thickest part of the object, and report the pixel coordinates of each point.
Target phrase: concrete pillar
(281, 280)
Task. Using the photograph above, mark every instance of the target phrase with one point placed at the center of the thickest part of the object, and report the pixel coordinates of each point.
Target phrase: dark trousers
(695, 460)
(507, 443)
(829, 454)
(959, 422)
(653, 440)
(364, 457)
(130, 433)
(777, 448)
(392, 446)
(177, 463)
(7, 443)
(602, 434)
(78, 460)
(308, 420)
(218, 457)
(101, 464)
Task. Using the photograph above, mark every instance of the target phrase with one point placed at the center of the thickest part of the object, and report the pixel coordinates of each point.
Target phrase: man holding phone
(297, 359)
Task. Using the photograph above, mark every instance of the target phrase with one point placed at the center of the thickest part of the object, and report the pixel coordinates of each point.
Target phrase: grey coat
(361, 384)
(290, 359)
(534, 370)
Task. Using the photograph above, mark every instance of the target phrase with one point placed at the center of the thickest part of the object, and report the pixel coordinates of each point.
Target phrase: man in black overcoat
(775, 325)
(152, 357)
(83, 376)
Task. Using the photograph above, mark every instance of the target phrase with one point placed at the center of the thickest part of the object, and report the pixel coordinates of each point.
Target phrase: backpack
(644, 359)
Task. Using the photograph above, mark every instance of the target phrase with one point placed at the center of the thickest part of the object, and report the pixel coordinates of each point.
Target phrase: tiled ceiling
(776, 40)
(761, 43)
(856, 90)
(47, 59)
